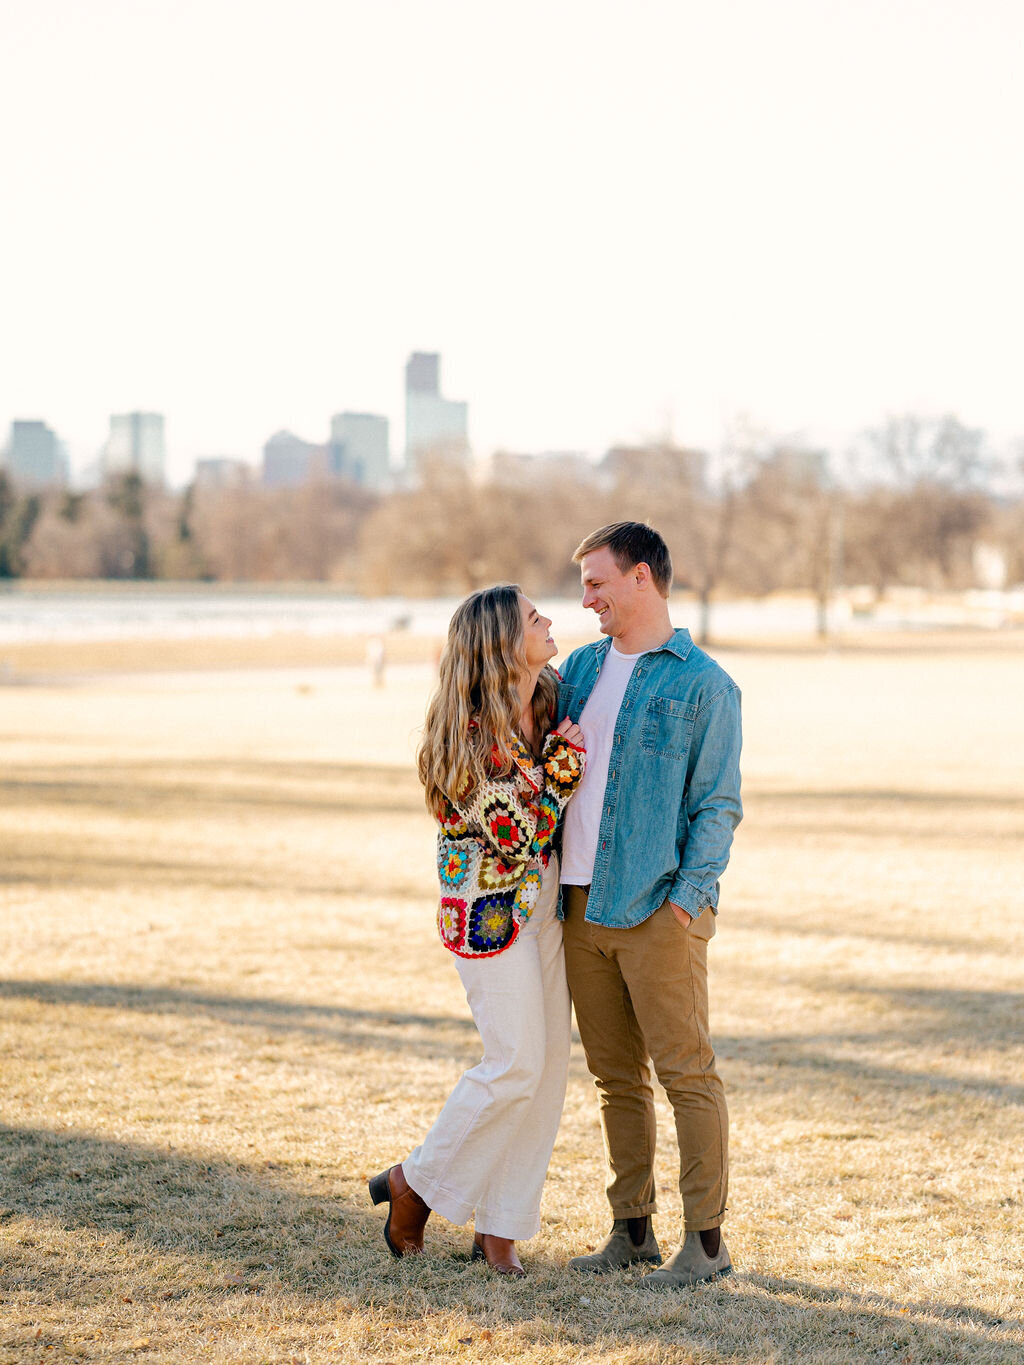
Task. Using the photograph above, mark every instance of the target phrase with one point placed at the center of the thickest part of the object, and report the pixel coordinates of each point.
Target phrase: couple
(648, 740)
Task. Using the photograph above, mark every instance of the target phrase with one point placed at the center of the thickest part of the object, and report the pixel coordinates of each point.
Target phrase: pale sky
(612, 220)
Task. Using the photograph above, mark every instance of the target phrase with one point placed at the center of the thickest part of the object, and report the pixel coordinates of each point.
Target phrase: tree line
(912, 506)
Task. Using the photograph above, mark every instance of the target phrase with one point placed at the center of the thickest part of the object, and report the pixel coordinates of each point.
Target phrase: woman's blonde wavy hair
(479, 673)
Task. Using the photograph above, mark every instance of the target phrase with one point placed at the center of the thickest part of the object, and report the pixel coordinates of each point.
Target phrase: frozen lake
(169, 611)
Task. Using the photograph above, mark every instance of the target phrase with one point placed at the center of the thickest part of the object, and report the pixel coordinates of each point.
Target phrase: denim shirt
(672, 800)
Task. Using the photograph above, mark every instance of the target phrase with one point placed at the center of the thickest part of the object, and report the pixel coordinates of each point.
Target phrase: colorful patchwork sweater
(495, 844)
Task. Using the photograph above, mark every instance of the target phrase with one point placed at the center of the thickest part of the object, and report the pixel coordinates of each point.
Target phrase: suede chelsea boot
(690, 1265)
(618, 1250)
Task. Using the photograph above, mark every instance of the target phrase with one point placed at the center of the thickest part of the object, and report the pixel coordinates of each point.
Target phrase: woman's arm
(503, 818)
(563, 759)
(516, 824)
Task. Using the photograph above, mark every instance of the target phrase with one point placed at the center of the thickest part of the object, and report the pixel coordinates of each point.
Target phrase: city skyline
(647, 222)
(357, 448)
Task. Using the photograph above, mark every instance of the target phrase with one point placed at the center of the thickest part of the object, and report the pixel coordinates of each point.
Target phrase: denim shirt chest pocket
(668, 728)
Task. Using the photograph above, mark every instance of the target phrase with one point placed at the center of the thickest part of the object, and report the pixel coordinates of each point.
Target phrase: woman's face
(537, 643)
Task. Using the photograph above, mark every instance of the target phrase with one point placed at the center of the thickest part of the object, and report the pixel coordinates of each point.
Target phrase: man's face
(608, 591)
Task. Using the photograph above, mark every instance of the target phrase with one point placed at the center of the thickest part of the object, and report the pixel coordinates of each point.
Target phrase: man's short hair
(632, 543)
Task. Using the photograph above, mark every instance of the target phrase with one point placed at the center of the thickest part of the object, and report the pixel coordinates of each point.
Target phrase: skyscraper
(136, 446)
(434, 426)
(35, 455)
(289, 461)
(360, 448)
(423, 372)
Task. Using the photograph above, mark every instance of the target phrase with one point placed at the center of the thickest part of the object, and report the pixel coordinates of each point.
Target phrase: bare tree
(913, 451)
(429, 539)
(533, 519)
(81, 537)
(792, 517)
(920, 519)
(691, 500)
(18, 515)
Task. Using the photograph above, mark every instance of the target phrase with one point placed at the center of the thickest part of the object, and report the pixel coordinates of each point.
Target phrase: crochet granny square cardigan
(494, 846)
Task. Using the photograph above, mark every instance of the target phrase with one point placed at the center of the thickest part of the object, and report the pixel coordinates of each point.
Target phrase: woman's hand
(570, 732)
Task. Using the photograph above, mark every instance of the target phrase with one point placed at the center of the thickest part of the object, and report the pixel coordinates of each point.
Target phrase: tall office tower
(423, 372)
(434, 426)
(136, 446)
(288, 460)
(35, 455)
(359, 448)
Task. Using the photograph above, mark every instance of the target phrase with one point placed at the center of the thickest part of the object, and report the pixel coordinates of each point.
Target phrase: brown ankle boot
(498, 1252)
(407, 1213)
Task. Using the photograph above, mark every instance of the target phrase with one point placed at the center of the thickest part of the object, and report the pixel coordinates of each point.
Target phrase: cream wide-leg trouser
(488, 1151)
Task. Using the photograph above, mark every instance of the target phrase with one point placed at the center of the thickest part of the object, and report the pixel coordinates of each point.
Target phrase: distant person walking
(645, 842)
(496, 777)
(376, 659)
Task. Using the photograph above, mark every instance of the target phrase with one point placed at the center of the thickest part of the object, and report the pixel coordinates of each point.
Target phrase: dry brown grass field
(223, 1006)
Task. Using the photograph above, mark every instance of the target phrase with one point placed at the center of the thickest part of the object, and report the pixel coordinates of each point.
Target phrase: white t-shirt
(583, 814)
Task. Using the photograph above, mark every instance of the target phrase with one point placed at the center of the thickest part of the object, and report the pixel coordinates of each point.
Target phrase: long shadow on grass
(903, 817)
(793, 1062)
(171, 1226)
(951, 1022)
(227, 1219)
(389, 1030)
(989, 1018)
(746, 920)
(146, 789)
(858, 797)
(992, 1018)
(946, 1024)
(305, 788)
(47, 867)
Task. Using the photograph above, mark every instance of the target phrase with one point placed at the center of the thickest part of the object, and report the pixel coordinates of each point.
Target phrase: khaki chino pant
(641, 996)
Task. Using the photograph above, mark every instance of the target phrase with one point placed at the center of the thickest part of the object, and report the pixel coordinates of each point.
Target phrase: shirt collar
(678, 643)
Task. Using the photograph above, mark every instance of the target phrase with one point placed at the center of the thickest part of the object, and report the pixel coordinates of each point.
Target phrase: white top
(583, 814)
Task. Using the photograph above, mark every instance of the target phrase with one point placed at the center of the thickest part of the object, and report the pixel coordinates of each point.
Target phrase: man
(645, 841)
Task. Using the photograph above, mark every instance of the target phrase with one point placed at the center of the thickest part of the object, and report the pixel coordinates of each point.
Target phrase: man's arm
(712, 804)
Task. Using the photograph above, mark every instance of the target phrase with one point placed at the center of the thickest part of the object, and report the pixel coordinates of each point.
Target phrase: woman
(496, 777)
